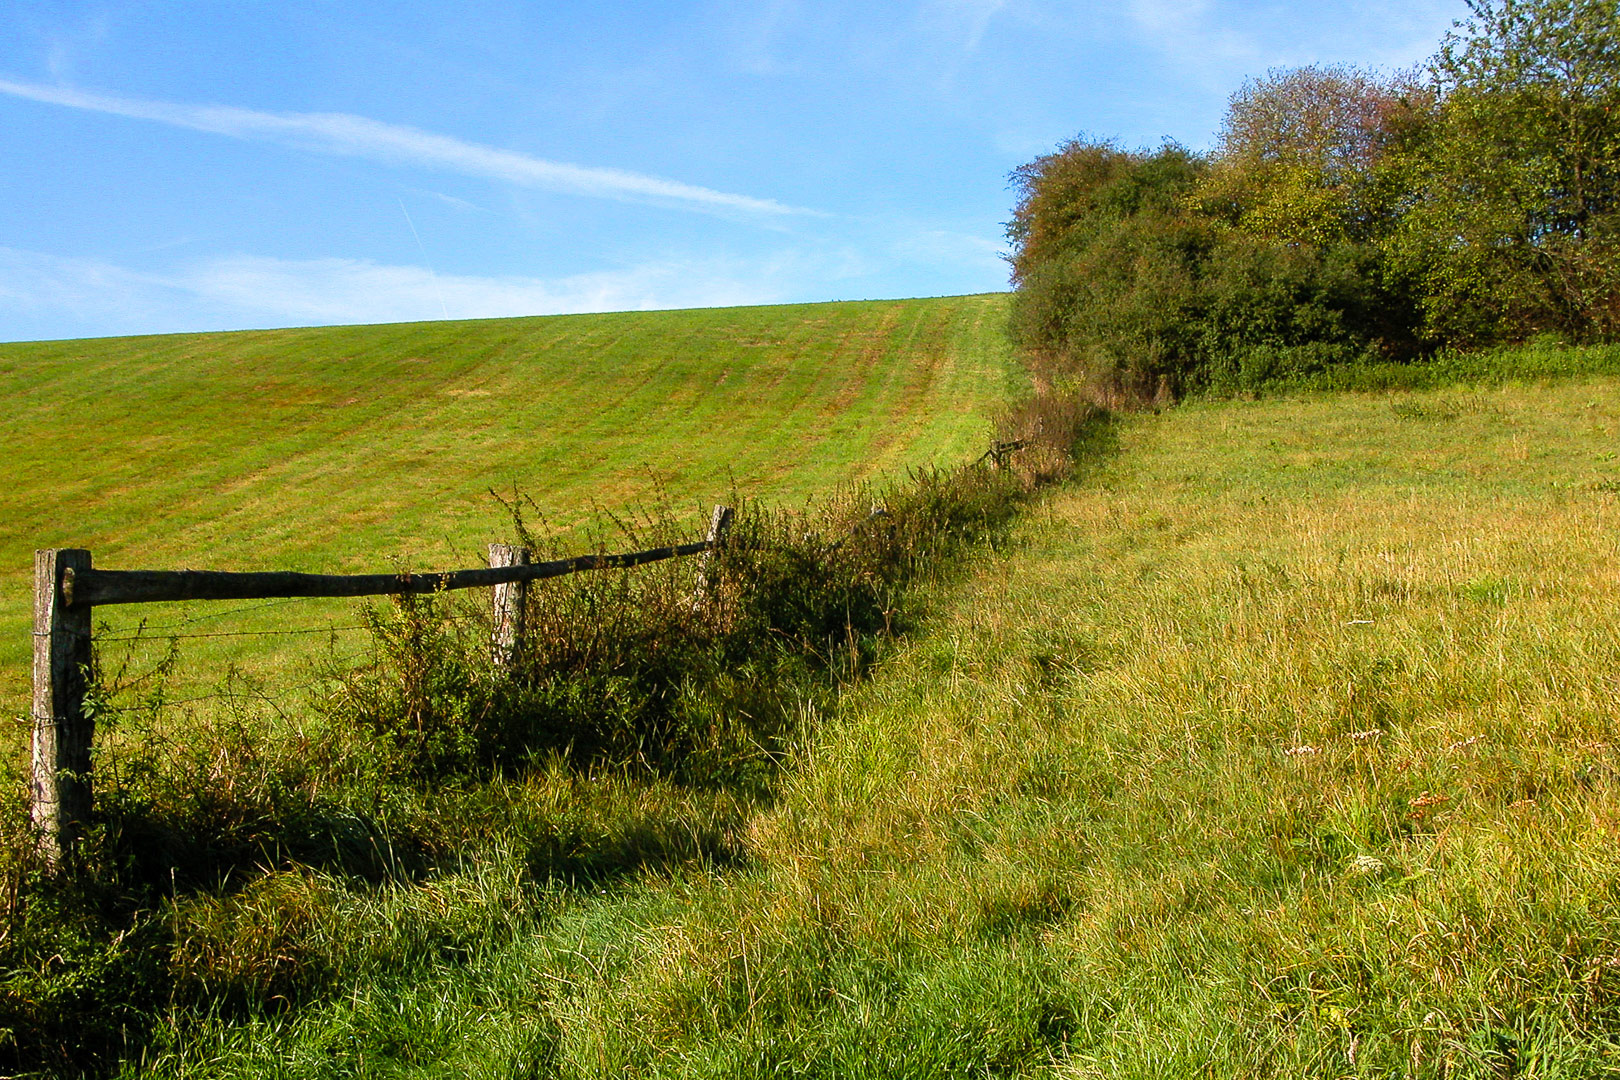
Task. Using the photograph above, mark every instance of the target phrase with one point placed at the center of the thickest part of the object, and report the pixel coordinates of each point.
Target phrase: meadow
(1284, 741)
(365, 449)
(1281, 740)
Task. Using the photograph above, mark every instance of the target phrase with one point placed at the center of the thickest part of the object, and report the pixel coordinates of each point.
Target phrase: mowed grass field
(1285, 743)
(366, 449)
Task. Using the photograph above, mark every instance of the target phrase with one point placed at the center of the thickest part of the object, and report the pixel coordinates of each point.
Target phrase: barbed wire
(236, 611)
(158, 635)
(257, 693)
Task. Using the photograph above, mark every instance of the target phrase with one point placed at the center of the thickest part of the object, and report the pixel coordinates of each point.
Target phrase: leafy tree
(1105, 260)
(1513, 220)
(1124, 283)
(1343, 215)
(1302, 154)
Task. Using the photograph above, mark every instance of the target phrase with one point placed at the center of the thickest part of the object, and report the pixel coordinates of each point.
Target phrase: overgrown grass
(1284, 746)
(1549, 359)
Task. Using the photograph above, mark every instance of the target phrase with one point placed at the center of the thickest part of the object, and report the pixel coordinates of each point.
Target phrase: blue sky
(204, 166)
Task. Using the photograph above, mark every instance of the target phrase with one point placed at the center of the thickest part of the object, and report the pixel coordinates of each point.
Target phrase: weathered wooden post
(719, 527)
(511, 601)
(60, 792)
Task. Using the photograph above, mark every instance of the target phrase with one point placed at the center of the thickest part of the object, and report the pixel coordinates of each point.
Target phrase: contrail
(395, 144)
(426, 261)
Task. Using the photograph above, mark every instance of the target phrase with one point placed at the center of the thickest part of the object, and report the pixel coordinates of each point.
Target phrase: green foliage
(1105, 261)
(1344, 218)
(1275, 311)
(1130, 287)
(1304, 155)
(1512, 225)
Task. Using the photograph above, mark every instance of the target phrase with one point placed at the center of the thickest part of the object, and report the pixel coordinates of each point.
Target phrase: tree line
(1342, 216)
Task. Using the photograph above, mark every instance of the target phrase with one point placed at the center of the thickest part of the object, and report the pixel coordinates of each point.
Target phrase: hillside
(364, 448)
(1283, 745)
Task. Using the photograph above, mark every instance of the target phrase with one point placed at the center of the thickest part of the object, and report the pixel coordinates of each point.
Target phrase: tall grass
(1545, 359)
(1285, 746)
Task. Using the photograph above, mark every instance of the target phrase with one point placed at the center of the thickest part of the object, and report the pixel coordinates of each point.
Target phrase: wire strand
(224, 695)
(234, 611)
(160, 635)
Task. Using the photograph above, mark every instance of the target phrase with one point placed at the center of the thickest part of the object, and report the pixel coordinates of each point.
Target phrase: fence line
(164, 635)
(67, 590)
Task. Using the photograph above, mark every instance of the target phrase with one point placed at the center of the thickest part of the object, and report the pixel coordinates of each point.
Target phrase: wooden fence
(68, 588)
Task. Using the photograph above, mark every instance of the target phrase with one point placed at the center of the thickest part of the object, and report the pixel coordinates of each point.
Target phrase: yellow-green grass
(1287, 743)
(359, 449)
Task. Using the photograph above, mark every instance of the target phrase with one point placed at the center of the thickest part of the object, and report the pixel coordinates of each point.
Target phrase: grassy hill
(1284, 745)
(352, 449)
(1280, 742)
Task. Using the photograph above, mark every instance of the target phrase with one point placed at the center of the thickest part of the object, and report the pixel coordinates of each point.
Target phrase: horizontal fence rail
(97, 588)
(1001, 452)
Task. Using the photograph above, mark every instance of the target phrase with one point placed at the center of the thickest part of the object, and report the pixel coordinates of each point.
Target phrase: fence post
(719, 527)
(511, 602)
(60, 792)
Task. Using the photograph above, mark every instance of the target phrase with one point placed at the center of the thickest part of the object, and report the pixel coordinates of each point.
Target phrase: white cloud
(45, 290)
(352, 290)
(1408, 31)
(1219, 43)
(78, 296)
(947, 246)
(1188, 32)
(394, 144)
(965, 20)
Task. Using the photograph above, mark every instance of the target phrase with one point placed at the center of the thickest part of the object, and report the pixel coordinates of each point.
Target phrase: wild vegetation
(1283, 744)
(416, 762)
(1280, 741)
(407, 758)
(1344, 218)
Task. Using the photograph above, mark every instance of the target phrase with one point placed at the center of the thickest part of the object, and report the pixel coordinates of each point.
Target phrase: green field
(363, 449)
(1284, 743)
(1283, 740)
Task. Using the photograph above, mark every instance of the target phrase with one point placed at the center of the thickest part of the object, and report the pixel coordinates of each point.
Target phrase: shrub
(1512, 196)
(1127, 290)
(631, 670)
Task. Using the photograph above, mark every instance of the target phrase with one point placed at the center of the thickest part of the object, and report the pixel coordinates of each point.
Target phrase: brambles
(624, 669)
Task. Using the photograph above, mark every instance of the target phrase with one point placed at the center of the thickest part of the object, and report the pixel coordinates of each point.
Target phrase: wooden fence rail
(67, 589)
(97, 588)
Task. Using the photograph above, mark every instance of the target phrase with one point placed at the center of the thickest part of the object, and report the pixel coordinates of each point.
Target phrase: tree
(1301, 154)
(1106, 258)
(1125, 285)
(1513, 222)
